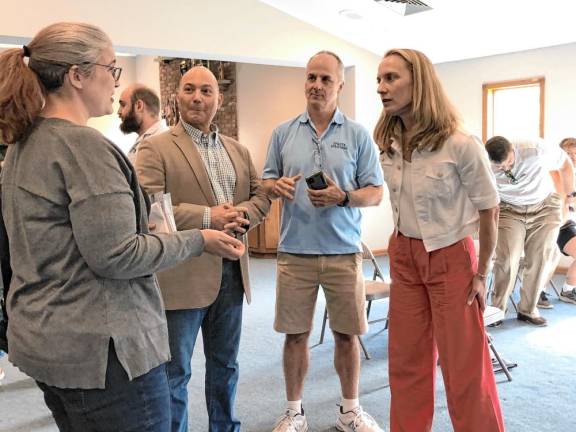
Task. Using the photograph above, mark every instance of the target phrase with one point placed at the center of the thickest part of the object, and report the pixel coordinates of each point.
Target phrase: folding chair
(491, 315)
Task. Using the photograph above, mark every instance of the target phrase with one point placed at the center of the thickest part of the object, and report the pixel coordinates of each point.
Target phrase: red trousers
(429, 317)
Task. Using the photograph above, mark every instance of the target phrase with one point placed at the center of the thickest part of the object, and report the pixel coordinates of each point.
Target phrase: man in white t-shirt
(530, 217)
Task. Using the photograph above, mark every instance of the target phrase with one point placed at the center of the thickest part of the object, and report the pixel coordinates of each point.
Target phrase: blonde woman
(86, 319)
(441, 191)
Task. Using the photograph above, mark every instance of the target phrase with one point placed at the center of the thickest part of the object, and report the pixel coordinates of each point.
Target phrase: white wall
(463, 81)
(267, 96)
(148, 72)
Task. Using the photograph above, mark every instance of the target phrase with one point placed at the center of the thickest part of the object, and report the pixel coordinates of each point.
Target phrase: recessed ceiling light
(350, 14)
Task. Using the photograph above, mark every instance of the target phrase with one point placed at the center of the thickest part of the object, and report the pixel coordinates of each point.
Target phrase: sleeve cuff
(206, 218)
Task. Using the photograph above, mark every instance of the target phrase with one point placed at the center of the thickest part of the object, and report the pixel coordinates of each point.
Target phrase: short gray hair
(338, 60)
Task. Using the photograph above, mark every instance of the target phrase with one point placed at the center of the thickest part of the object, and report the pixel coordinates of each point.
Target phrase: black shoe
(537, 321)
(544, 302)
(496, 324)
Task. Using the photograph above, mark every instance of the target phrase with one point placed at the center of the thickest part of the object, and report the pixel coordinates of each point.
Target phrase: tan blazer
(170, 162)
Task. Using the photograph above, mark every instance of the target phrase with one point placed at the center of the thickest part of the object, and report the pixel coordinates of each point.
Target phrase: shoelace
(286, 418)
(362, 417)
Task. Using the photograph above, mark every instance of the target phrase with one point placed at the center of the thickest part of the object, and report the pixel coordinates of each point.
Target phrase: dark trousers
(221, 324)
(140, 405)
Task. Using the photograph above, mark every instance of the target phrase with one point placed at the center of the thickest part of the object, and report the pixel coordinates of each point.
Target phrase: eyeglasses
(513, 180)
(115, 71)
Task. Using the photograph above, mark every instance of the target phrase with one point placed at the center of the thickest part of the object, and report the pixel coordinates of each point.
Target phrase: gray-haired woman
(86, 319)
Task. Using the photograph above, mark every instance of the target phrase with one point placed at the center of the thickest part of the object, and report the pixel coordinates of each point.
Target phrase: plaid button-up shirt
(217, 163)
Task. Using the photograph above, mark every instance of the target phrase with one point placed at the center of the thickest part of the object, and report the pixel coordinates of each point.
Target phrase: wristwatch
(346, 200)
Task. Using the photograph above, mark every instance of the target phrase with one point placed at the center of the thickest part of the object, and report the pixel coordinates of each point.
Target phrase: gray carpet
(539, 399)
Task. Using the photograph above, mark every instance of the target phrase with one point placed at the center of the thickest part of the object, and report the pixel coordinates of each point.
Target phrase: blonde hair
(51, 53)
(434, 116)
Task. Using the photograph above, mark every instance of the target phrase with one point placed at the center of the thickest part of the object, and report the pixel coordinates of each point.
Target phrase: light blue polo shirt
(347, 154)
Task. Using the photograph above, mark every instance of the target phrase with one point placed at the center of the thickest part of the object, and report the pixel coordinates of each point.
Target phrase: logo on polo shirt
(339, 145)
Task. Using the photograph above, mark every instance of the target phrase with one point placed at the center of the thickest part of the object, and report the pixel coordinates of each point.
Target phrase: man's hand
(221, 244)
(328, 197)
(477, 290)
(285, 187)
(224, 214)
(240, 224)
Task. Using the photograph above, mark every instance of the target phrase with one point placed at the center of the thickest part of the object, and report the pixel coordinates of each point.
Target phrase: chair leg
(555, 288)
(498, 358)
(323, 326)
(490, 284)
(368, 309)
(514, 303)
(366, 353)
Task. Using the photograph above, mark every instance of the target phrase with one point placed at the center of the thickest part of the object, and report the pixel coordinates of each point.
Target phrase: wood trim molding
(561, 270)
(488, 88)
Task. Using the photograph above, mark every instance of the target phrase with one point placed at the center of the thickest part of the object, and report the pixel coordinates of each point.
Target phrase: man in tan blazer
(213, 184)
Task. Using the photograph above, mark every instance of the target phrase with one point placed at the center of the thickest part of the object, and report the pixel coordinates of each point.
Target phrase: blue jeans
(221, 324)
(140, 405)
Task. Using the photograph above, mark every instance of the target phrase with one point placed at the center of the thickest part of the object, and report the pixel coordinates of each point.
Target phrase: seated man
(529, 219)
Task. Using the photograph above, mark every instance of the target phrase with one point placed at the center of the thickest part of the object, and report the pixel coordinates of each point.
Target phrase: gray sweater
(83, 259)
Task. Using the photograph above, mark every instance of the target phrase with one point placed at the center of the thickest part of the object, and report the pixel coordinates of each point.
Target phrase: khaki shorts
(298, 279)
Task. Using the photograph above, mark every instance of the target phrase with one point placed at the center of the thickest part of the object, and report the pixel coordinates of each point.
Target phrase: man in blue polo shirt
(320, 237)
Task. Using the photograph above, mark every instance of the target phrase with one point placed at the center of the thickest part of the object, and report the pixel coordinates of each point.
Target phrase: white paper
(161, 213)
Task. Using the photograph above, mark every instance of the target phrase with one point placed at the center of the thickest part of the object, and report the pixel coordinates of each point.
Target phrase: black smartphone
(317, 181)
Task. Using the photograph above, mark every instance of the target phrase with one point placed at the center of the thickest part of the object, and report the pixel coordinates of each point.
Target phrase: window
(513, 108)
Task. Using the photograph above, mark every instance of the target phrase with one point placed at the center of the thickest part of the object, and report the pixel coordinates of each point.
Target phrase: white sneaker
(2, 375)
(291, 421)
(356, 421)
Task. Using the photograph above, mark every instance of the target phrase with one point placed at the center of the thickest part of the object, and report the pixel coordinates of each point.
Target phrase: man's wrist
(346, 201)
(207, 218)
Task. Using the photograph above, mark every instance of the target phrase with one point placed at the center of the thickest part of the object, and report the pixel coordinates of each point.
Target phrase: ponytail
(21, 96)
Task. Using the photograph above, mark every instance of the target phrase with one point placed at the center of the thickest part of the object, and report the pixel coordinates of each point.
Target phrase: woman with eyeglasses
(442, 192)
(86, 319)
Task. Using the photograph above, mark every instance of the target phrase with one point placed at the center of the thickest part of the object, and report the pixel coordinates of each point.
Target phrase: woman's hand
(477, 290)
(221, 244)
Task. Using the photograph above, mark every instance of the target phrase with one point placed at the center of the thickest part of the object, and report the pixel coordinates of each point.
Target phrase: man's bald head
(199, 71)
(199, 97)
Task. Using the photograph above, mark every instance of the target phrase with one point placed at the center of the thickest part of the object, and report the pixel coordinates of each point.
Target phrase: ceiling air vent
(405, 7)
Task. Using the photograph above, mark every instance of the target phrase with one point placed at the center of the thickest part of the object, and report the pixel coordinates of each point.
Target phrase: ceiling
(452, 30)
